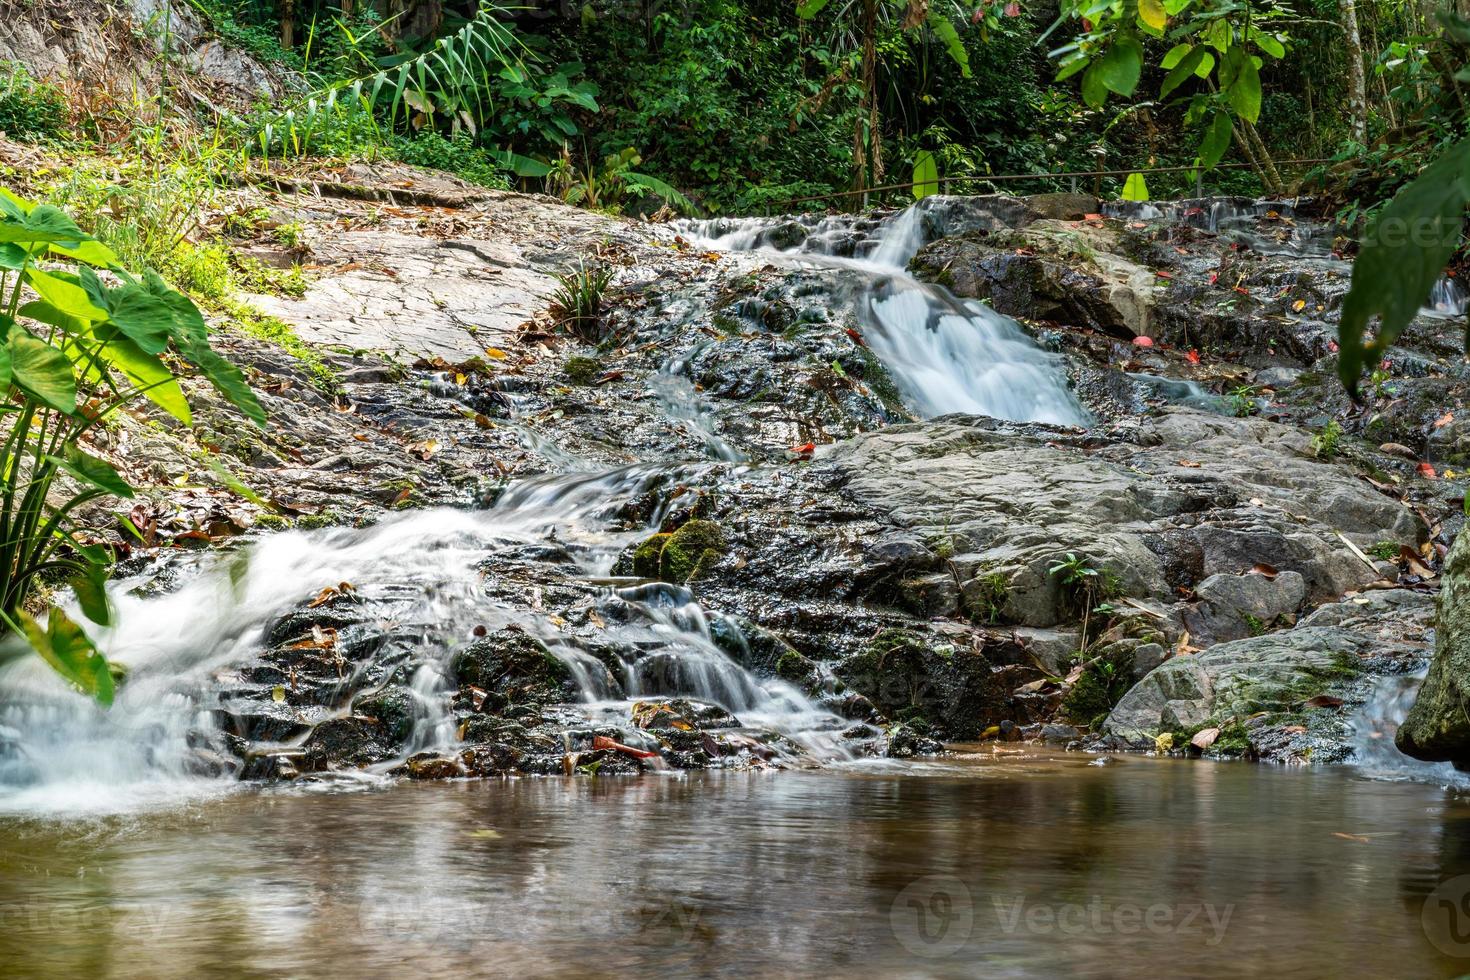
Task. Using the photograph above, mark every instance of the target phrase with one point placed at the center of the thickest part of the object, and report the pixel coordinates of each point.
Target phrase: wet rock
(392, 709)
(1282, 676)
(904, 742)
(513, 663)
(1234, 606)
(681, 714)
(343, 741)
(911, 677)
(1437, 728)
(1056, 734)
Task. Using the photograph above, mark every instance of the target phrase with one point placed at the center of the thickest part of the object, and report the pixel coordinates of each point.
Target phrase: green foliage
(1404, 252)
(73, 356)
(1327, 441)
(29, 110)
(1243, 401)
(578, 299)
(459, 155)
(1213, 68)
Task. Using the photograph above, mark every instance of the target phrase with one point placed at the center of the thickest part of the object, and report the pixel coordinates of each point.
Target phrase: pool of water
(1011, 865)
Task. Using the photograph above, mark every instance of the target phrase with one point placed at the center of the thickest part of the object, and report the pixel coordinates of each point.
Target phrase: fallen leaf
(1427, 471)
(1397, 449)
(1299, 305)
(1143, 341)
(1444, 420)
(425, 450)
(1192, 357)
(603, 742)
(495, 353)
(1323, 701)
(1204, 738)
(1264, 570)
(1190, 463)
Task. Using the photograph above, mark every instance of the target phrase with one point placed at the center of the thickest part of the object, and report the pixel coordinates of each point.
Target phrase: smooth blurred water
(1011, 865)
(944, 354)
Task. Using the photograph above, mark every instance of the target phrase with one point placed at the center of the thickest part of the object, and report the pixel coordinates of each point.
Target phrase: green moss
(792, 666)
(271, 522)
(581, 370)
(690, 550)
(646, 558)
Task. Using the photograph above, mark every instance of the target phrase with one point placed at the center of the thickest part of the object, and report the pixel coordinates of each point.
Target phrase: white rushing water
(1375, 725)
(944, 354)
(59, 753)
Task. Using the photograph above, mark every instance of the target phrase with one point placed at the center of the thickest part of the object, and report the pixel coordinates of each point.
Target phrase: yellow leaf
(278, 694)
(1152, 14)
(460, 379)
(496, 353)
(1299, 305)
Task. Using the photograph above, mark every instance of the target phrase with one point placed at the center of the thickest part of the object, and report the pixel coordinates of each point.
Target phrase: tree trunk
(288, 24)
(1356, 86)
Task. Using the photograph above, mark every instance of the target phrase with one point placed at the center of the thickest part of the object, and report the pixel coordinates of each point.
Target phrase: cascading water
(944, 354)
(1374, 728)
(183, 648)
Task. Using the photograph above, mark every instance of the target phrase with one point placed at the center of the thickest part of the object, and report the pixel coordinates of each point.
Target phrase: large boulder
(1194, 496)
(1437, 728)
(1289, 690)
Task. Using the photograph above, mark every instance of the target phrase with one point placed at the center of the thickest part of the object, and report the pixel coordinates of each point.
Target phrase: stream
(985, 864)
(127, 854)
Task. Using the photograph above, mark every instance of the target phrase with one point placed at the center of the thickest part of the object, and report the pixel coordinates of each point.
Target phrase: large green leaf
(1403, 255)
(64, 646)
(149, 374)
(1094, 91)
(44, 225)
(142, 317)
(227, 380)
(1119, 69)
(1152, 15)
(63, 291)
(944, 29)
(1217, 140)
(42, 370)
(926, 175)
(90, 588)
(1182, 71)
(1241, 80)
(1135, 188)
(90, 469)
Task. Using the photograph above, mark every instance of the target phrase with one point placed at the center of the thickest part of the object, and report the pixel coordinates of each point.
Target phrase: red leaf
(805, 450)
(1214, 278)
(1143, 341)
(1427, 471)
(856, 337)
(1192, 357)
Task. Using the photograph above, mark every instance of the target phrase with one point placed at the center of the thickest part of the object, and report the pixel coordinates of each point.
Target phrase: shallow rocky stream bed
(809, 497)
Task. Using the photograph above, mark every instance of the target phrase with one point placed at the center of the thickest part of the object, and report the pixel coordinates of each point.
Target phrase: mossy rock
(509, 659)
(691, 550)
(582, 370)
(392, 708)
(646, 558)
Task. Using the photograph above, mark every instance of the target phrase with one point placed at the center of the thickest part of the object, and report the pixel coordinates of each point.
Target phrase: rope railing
(945, 183)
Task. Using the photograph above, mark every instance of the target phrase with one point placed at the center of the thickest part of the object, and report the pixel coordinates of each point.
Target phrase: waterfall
(944, 354)
(183, 648)
(1376, 723)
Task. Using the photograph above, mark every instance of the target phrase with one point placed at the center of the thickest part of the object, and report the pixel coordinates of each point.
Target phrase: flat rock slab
(416, 297)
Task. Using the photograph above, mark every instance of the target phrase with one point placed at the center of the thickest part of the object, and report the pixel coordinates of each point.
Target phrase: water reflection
(993, 865)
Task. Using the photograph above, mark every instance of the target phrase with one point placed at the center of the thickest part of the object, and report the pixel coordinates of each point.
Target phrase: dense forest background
(750, 105)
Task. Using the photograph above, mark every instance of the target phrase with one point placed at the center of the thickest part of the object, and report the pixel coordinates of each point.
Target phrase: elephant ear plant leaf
(76, 347)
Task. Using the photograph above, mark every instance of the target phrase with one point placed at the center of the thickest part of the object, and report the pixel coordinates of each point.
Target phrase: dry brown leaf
(1204, 738)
